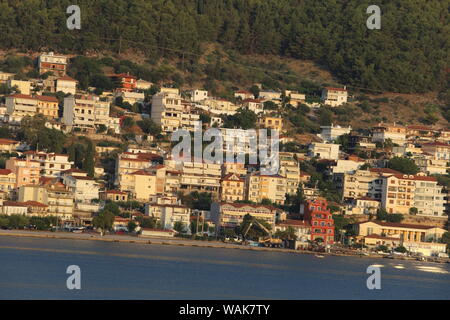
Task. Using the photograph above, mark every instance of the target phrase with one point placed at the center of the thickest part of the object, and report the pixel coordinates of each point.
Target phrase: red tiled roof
(8, 141)
(5, 172)
(399, 225)
(293, 222)
(115, 192)
(406, 176)
(67, 78)
(335, 89)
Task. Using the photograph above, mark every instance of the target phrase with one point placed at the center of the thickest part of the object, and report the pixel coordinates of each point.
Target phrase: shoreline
(175, 242)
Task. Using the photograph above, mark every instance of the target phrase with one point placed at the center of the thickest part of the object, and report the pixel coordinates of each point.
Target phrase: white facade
(198, 95)
(324, 150)
(331, 133)
(334, 96)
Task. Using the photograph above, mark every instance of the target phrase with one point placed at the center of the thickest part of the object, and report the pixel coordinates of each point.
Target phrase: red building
(125, 81)
(316, 212)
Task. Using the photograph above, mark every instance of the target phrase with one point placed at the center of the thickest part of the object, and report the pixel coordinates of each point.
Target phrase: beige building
(395, 133)
(129, 162)
(55, 195)
(268, 122)
(272, 187)
(7, 180)
(402, 192)
(290, 169)
(19, 106)
(198, 176)
(8, 145)
(230, 215)
(415, 238)
(24, 87)
(334, 96)
(439, 150)
(171, 112)
(232, 188)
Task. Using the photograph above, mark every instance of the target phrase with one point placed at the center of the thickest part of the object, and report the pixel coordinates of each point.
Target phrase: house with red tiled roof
(8, 145)
(67, 85)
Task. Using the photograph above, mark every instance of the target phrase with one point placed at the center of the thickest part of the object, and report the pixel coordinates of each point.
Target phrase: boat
(319, 256)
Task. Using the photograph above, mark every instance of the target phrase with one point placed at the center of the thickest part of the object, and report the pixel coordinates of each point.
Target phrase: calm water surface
(33, 268)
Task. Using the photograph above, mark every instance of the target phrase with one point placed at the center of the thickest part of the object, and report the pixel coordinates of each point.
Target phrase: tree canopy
(332, 33)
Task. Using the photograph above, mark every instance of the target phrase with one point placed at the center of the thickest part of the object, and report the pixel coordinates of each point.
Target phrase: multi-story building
(290, 169)
(114, 195)
(8, 145)
(231, 215)
(125, 81)
(328, 151)
(67, 85)
(49, 62)
(415, 238)
(331, 133)
(275, 123)
(140, 184)
(129, 162)
(361, 183)
(86, 113)
(259, 187)
(8, 180)
(131, 97)
(58, 198)
(255, 105)
(429, 165)
(84, 188)
(439, 150)
(171, 112)
(198, 176)
(19, 106)
(218, 106)
(20, 86)
(318, 215)
(51, 164)
(295, 98)
(232, 188)
(383, 132)
(244, 94)
(173, 213)
(420, 132)
(401, 192)
(334, 96)
(198, 95)
(27, 171)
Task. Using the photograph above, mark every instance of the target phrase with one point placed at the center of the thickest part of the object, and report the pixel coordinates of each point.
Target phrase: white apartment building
(86, 113)
(84, 188)
(334, 96)
(66, 84)
(331, 133)
(132, 97)
(198, 95)
(169, 111)
(324, 150)
(402, 192)
(383, 132)
(51, 164)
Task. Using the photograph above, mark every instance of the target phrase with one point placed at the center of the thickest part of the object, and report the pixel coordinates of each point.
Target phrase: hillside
(409, 54)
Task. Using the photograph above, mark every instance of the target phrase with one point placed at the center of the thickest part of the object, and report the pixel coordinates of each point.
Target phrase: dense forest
(409, 54)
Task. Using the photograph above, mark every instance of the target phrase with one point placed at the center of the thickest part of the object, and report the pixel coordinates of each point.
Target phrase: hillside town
(101, 161)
